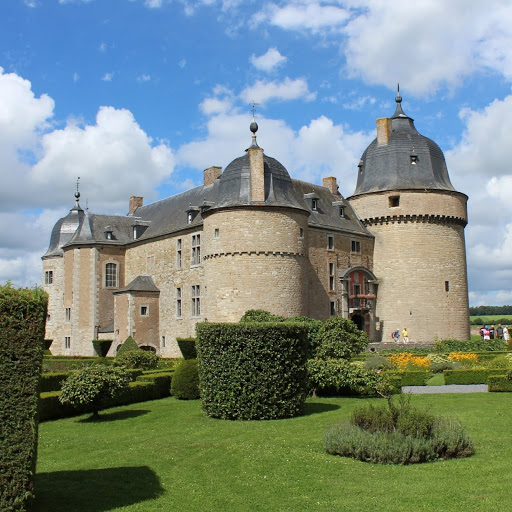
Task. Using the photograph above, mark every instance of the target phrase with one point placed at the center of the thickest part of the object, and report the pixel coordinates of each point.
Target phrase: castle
(390, 256)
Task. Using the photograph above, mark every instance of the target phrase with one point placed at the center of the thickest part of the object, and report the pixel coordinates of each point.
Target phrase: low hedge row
(413, 378)
(499, 383)
(52, 381)
(147, 387)
(470, 376)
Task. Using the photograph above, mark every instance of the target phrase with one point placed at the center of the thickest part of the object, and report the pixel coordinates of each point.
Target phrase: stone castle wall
(420, 262)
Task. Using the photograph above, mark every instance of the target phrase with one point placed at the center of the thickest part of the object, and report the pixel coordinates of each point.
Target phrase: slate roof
(139, 284)
(389, 166)
(231, 189)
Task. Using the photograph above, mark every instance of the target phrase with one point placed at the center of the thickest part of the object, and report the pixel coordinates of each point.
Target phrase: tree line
(490, 310)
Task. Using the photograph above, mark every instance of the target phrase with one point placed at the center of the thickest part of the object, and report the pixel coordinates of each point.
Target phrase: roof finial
(398, 98)
(254, 126)
(77, 193)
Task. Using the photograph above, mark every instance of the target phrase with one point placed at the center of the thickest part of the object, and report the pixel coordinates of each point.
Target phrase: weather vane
(254, 104)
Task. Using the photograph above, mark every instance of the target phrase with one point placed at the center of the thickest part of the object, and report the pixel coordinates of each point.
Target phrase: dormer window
(414, 159)
(360, 166)
(312, 200)
(138, 230)
(109, 233)
(340, 206)
(314, 204)
(192, 212)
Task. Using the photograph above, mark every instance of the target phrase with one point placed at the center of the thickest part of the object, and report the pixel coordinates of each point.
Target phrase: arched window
(111, 275)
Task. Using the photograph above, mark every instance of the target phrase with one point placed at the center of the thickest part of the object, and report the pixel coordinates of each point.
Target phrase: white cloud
(103, 47)
(263, 91)
(107, 77)
(269, 61)
(312, 16)
(153, 4)
(211, 106)
(143, 78)
(76, 77)
(182, 63)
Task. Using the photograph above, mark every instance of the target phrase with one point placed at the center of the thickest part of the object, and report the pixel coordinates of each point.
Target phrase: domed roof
(406, 160)
(64, 230)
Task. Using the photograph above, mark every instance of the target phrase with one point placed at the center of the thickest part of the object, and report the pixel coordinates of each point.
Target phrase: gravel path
(450, 388)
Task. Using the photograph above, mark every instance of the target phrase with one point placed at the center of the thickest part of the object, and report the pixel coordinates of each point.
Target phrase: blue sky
(137, 97)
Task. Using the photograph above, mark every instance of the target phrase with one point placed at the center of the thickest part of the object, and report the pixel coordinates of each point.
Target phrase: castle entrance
(359, 321)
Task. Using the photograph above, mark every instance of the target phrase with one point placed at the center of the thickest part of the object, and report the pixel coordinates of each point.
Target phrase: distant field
(493, 319)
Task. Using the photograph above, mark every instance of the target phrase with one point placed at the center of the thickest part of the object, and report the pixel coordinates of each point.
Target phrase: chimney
(135, 202)
(331, 184)
(383, 130)
(211, 174)
(257, 174)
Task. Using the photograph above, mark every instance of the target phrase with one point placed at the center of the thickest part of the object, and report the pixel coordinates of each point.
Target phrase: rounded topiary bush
(138, 359)
(185, 381)
(340, 338)
(397, 435)
(260, 315)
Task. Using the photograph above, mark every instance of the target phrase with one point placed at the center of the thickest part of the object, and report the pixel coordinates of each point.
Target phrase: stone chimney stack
(211, 175)
(331, 184)
(135, 202)
(384, 129)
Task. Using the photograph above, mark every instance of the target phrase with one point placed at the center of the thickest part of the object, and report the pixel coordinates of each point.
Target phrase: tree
(93, 387)
(339, 338)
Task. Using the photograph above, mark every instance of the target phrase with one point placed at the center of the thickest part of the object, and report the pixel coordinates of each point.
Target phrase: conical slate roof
(408, 160)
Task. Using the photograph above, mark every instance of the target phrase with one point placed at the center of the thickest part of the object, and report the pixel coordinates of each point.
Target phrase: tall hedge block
(253, 370)
(22, 322)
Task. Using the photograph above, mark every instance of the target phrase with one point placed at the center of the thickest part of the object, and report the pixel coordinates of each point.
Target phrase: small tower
(405, 198)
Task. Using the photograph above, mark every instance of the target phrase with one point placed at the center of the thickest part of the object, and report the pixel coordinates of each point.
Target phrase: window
(330, 242)
(333, 308)
(109, 235)
(414, 159)
(342, 211)
(301, 233)
(356, 290)
(111, 275)
(178, 253)
(48, 277)
(163, 341)
(196, 300)
(447, 286)
(150, 264)
(190, 218)
(68, 314)
(196, 250)
(314, 204)
(178, 302)
(67, 341)
(394, 201)
(331, 276)
(356, 246)
(216, 233)
(144, 311)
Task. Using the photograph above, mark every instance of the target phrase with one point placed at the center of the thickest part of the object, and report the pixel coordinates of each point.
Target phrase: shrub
(441, 362)
(378, 363)
(22, 320)
(313, 327)
(468, 359)
(129, 344)
(162, 381)
(52, 381)
(138, 359)
(472, 376)
(260, 315)
(101, 347)
(252, 370)
(187, 347)
(397, 435)
(93, 387)
(499, 383)
(450, 345)
(503, 361)
(339, 338)
(411, 378)
(185, 382)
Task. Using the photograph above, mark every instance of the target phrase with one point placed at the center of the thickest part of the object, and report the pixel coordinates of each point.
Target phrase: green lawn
(167, 456)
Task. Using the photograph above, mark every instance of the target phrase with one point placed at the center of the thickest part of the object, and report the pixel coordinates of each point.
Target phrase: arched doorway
(358, 319)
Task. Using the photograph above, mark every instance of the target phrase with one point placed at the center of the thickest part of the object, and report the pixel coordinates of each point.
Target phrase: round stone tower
(405, 198)
(255, 240)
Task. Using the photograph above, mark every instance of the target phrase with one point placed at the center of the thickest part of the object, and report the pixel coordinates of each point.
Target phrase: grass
(166, 455)
(436, 380)
(492, 319)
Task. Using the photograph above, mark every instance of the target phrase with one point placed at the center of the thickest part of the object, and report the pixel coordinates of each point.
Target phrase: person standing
(405, 335)
(491, 332)
(506, 335)
(499, 332)
(396, 336)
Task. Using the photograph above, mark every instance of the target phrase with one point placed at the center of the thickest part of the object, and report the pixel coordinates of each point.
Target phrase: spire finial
(77, 193)
(398, 98)
(254, 126)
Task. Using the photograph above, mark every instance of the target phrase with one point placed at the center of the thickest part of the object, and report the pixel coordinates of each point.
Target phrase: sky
(137, 97)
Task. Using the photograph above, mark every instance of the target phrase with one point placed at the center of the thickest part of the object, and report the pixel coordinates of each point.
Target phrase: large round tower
(255, 235)
(405, 198)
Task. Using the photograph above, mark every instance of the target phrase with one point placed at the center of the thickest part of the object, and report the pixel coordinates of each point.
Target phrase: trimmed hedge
(413, 378)
(101, 347)
(162, 381)
(470, 376)
(185, 384)
(252, 370)
(450, 345)
(52, 381)
(187, 347)
(129, 344)
(499, 383)
(22, 322)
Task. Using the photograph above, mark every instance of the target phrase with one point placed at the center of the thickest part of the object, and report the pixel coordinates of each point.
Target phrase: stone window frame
(332, 308)
(67, 314)
(108, 282)
(216, 233)
(332, 280)
(196, 300)
(179, 303)
(179, 253)
(330, 242)
(144, 310)
(355, 246)
(67, 342)
(48, 277)
(195, 250)
(394, 201)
